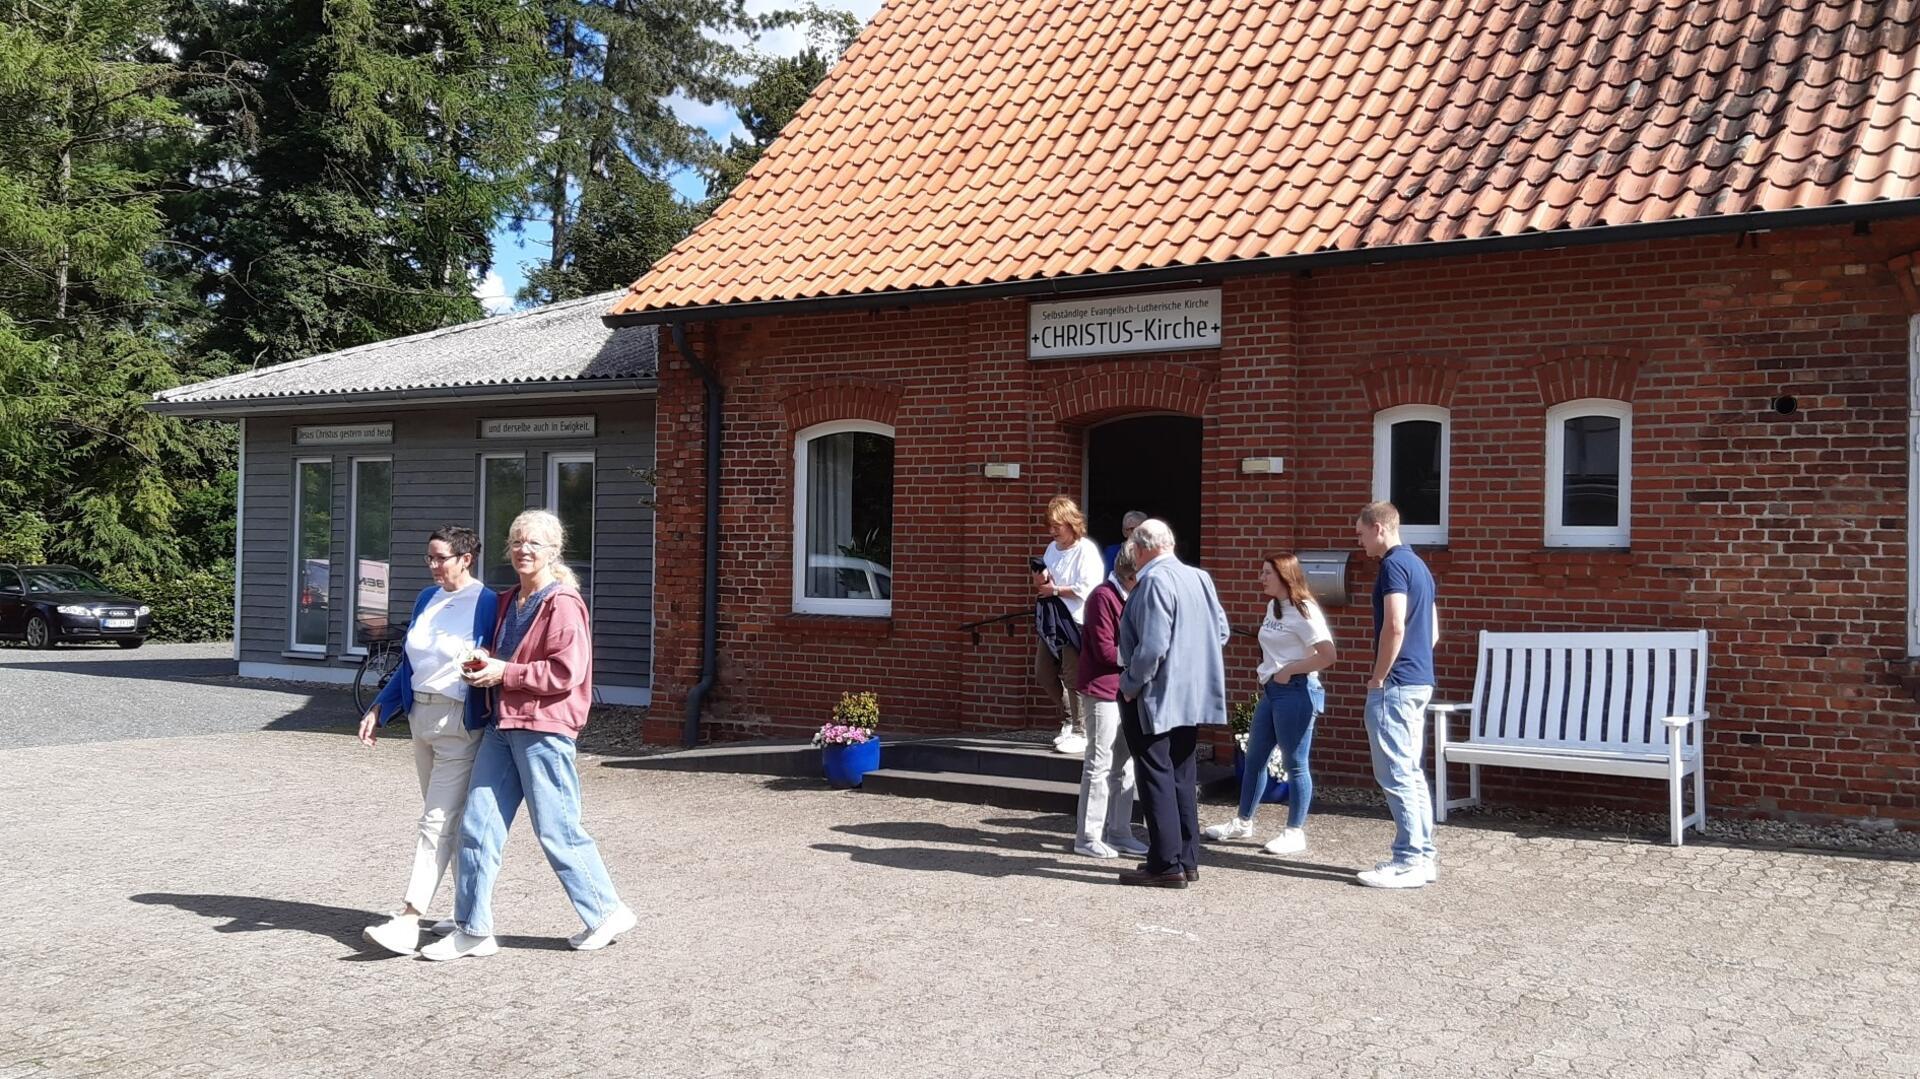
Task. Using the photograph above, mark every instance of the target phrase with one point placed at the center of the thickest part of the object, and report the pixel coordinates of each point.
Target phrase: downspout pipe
(710, 574)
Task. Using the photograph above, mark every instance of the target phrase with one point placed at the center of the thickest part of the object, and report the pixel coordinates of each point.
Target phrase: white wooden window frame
(293, 561)
(1383, 423)
(1563, 535)
(554, 461)
(354, 647)
(803, 603)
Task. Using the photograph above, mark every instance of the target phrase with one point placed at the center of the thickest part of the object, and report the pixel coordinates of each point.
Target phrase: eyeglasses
(529, 545)
(436, 560)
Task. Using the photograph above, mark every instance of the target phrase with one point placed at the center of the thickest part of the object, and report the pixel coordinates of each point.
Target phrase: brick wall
(1783, 535)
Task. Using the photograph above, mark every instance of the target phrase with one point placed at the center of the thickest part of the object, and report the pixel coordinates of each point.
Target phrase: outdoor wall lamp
(1263, 466)
(1001, 470)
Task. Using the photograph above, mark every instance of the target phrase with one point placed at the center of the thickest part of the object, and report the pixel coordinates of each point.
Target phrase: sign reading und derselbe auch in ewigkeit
(1145, 322)
(539, 427)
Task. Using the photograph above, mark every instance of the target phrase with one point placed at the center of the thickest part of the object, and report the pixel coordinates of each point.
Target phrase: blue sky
(512, 254)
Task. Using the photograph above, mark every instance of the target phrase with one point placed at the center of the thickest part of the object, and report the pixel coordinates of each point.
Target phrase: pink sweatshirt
(548, 686)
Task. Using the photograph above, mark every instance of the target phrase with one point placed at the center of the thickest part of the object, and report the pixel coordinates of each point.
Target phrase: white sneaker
(1233, 829)
(1289, 841)
(442, 927)
(458, 945)
(1072, 745)
(1127, 845)
(399, 934)
(1399, 875)
(592, 940)
(1095, 849)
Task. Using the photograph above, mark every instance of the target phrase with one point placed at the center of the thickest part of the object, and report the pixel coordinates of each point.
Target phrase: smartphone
(1036, 564)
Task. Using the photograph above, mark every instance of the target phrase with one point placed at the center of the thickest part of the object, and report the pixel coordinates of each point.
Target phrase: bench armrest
(1450, 708)
(1681, 721)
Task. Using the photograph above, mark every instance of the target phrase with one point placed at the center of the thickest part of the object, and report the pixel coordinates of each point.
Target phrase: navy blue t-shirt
(1402, 571)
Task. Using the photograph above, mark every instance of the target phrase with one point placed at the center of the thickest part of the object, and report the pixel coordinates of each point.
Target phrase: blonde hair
(1381, 513)
(544, 527)
(1065, 511)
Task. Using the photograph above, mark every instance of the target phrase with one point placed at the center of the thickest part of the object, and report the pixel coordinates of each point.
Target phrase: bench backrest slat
(1605, 690)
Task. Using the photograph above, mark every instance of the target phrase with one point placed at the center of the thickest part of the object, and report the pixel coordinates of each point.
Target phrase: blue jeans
(511, 767)
(1284, 718)
(1396, 732)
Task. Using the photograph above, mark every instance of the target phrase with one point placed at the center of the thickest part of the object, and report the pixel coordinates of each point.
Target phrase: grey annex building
(350, 460)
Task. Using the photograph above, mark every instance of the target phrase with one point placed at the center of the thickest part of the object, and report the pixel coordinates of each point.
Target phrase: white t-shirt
(1290, 637)
(440, 637)
(1080, 568)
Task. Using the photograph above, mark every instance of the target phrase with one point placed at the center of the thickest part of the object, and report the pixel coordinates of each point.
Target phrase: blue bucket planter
(846, 766)
(1277, 789)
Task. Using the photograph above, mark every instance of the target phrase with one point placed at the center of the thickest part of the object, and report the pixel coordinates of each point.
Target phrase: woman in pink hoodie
(543, 669)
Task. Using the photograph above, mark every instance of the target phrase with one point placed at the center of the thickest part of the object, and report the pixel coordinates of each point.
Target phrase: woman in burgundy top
(1105, 828)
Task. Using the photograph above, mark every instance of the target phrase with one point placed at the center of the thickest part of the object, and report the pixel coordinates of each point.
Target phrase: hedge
(188, 607)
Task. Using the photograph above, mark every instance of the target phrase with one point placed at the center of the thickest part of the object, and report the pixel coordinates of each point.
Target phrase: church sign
(1146, 322)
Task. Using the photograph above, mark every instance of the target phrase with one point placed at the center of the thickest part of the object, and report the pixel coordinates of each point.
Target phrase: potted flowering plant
(849, 742)
(1241, 723)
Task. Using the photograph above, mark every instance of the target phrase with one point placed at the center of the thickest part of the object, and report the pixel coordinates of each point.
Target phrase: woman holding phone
(451, 620)
(1069, 569)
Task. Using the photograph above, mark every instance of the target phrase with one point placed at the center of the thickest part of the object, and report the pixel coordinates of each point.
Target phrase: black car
(49, 605)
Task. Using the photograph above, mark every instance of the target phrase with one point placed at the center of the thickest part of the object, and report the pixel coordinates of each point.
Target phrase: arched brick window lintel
(1906, 275)
(870, 400)
(1410, 379)
(1119, 389)
(1576, 373)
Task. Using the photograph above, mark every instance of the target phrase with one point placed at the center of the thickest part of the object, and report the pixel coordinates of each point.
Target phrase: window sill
(307, 654)
(835, 625)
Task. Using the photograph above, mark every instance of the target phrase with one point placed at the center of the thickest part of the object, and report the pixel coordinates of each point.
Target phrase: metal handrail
(1008, 619)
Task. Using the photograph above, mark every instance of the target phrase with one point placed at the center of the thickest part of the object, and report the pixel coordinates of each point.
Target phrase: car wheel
(131, 642)
(39, 635)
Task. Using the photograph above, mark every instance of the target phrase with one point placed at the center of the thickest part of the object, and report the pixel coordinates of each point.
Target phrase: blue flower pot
(1277, 789)
(846, 766)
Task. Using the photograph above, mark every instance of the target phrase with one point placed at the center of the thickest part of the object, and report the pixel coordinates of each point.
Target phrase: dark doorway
(1147, 463)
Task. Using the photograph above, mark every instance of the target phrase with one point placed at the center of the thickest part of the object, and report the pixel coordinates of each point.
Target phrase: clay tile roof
(982, 142)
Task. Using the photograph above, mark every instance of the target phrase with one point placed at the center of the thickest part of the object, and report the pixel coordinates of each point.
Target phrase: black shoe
(1172, 878)
(1193, 875)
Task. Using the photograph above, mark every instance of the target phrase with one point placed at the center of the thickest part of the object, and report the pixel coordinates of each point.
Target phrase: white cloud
(492, 294)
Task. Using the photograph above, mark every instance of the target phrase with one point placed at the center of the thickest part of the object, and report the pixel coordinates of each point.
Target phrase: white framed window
(370, 536)
(310, 601)
(503, 494)
(843, 519)
(1412, 454)
(570, 484)
(1589, 474)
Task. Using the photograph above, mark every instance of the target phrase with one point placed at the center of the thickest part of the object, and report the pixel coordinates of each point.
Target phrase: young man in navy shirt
(1398, 689)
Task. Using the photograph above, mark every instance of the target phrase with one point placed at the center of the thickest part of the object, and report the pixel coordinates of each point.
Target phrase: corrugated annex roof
(559, 343)
(970, 142)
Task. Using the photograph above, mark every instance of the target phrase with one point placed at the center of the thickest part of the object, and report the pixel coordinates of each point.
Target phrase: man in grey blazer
(1172, 681)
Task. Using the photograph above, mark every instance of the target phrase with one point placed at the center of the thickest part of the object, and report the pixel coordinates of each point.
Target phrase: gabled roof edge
(1727, 224)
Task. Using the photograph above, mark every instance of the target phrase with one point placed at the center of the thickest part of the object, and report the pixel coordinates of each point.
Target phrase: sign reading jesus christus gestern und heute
(1146, 322)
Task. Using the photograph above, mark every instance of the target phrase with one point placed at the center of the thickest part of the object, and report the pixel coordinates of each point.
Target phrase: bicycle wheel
(372, 677)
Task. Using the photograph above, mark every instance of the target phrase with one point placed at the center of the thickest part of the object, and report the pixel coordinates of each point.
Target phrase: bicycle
(378, 665)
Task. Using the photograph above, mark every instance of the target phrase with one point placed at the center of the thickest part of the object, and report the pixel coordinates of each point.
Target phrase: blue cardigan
(397, 695)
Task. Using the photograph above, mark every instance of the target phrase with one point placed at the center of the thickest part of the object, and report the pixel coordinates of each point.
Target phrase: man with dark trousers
(1173, 680)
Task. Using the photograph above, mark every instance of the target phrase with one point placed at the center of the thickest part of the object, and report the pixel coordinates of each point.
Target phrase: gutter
(1208, 273)
(429, 395)
(710, 573)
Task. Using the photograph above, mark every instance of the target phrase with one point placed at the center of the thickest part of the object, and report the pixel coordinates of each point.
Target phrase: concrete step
(1001, 792)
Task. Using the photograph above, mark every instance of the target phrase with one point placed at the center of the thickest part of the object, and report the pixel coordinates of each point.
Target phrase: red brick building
(1619, 297)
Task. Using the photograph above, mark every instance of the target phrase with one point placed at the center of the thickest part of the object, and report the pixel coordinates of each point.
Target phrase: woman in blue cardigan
(451, 620)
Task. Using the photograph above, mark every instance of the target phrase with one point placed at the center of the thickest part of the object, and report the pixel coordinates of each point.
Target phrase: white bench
(1605, 703)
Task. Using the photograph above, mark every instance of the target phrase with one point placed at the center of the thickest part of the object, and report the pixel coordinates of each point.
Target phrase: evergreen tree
(349, 177)
(86, 474)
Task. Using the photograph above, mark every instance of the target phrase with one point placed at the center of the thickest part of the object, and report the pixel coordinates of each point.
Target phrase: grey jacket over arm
(1171, 635)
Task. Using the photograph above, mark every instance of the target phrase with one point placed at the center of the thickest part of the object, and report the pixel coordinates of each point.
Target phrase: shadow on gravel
(149, 670)
(987, 863)
(973, 863)
(253, 914)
